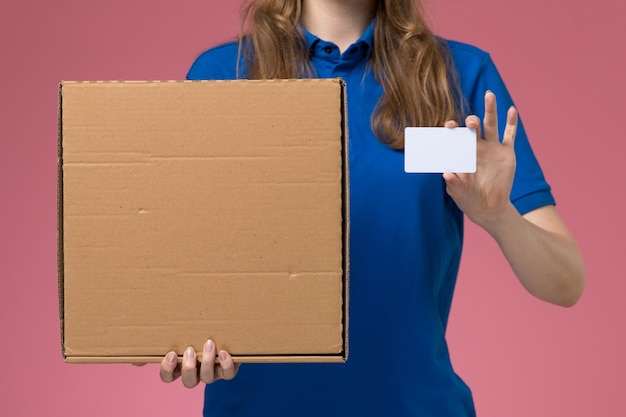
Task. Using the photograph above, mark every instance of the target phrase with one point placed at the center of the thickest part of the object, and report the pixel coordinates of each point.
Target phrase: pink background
(564, 63)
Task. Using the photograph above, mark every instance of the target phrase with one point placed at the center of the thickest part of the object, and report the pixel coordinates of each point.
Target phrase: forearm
(542, 253)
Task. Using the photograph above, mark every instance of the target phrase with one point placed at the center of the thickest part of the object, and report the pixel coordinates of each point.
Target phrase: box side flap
(346, 214)
(60, 266)
(236, 359)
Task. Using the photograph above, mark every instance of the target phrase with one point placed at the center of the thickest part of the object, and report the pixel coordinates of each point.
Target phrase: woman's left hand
(485, 195)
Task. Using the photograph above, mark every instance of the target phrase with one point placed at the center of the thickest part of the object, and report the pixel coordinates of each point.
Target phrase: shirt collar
(364, 44)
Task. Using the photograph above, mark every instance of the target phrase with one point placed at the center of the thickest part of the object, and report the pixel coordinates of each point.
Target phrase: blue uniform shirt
(405, 248)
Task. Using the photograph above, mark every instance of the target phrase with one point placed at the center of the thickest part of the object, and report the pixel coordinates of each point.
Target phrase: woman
(406, 229)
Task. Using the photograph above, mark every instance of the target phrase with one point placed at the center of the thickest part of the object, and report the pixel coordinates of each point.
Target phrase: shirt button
(328, 49)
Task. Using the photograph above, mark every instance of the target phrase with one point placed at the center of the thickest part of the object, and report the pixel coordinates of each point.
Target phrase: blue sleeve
(478, 74)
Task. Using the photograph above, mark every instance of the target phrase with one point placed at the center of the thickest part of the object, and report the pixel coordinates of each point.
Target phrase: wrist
(498, 223)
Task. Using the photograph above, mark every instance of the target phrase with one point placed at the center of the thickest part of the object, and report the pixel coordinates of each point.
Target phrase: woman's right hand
(193, 372)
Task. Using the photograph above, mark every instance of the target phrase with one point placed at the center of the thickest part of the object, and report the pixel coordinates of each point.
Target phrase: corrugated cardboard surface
(205, 209)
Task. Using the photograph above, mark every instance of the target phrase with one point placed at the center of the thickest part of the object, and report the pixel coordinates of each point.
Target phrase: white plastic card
(439, 149)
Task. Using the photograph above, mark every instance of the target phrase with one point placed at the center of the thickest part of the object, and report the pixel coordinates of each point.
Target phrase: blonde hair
(412, 65)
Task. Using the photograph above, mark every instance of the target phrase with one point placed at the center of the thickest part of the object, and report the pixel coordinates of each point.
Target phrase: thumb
(454, 186)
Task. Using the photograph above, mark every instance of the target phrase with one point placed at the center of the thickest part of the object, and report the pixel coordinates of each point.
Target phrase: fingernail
(189, 352)
(223, 355)
(171, 357)
(208, 346)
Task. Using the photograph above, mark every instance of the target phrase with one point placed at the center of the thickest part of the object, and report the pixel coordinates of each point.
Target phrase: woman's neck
(339, 21)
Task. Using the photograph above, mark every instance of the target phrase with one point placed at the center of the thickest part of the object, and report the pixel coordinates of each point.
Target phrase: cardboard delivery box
(191, 210)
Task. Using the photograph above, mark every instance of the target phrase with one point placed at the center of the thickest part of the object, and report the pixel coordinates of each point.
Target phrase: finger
(451, 124)
(207, 367)
(511, 127)
(452, 184)
(490, 122)
(170, 370)
(189, 370)
(473, 122)
(449, 176)
(227, 369)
